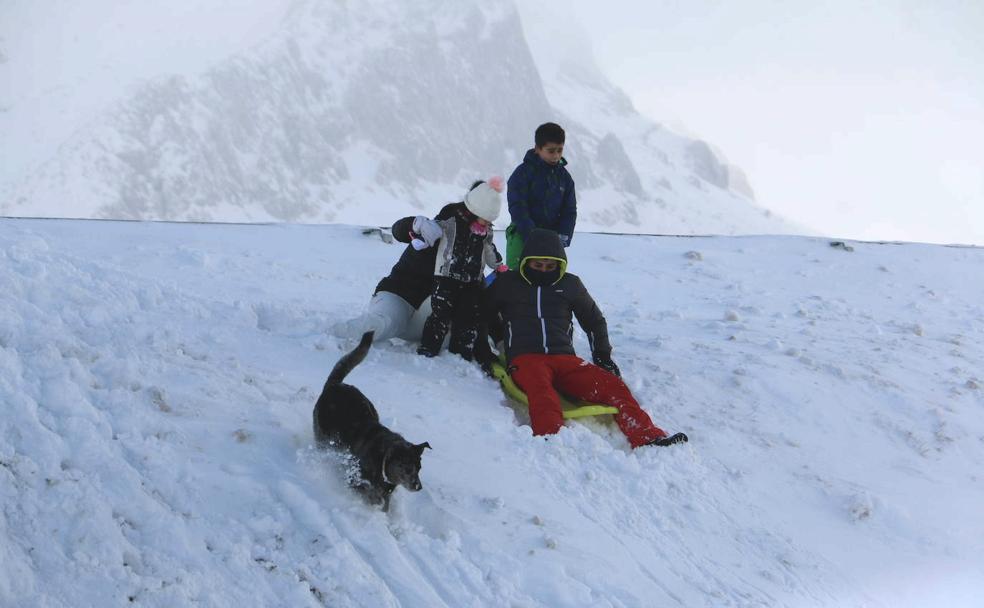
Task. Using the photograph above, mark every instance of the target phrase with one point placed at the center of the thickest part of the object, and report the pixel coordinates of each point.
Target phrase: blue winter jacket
(541, 195)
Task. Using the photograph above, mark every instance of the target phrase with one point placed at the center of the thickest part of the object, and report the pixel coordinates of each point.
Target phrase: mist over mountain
(359, 113)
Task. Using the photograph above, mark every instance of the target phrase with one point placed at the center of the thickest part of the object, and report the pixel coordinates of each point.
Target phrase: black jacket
(462, 254)
(538, 319)
(412, 277)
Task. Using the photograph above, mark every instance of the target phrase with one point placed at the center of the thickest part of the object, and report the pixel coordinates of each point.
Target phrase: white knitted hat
(484, 200)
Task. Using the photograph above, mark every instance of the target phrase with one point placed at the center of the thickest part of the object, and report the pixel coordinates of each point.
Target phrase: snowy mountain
(317, 111)
(157, 382)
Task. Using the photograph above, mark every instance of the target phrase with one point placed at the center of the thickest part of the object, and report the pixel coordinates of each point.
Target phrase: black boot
(463, 343)
(674, 438)
(432, 338)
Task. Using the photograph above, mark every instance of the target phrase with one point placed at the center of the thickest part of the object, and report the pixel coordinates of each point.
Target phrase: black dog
(345, 418)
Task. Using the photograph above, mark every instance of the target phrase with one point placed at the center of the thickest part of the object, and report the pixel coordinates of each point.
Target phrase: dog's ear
(420, 446)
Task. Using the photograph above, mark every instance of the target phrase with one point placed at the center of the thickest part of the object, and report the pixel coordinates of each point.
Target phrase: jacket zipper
(543, 322)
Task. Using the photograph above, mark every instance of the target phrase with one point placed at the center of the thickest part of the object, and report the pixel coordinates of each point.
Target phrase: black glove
(485, 358)
(486, 368)
(605, 362)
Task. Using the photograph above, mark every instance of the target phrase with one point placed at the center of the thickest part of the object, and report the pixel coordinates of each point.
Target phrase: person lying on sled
(536, 302)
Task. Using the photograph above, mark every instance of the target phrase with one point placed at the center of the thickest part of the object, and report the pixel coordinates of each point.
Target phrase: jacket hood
(534, 158)
(543, 244)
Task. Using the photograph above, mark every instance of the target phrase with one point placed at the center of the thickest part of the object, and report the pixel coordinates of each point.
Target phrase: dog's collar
(385, 478)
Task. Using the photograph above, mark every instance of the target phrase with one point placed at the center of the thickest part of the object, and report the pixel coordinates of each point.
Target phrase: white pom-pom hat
(484, 200)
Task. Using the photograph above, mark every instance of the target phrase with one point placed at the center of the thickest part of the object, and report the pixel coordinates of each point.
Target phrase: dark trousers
(454, 306)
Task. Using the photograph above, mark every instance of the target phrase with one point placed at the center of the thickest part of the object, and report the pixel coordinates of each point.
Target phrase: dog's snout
(415, 485)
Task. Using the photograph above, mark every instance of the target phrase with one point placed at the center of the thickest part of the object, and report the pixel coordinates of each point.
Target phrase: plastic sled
(572, 409)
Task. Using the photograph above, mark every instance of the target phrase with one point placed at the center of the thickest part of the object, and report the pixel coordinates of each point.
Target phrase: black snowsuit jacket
(462, 254)
(538, 318)
(412, 277)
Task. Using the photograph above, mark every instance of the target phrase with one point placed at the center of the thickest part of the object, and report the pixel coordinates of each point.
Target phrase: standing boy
(541, 193)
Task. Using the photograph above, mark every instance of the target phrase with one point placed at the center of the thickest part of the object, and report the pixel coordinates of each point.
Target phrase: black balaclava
(541, 278)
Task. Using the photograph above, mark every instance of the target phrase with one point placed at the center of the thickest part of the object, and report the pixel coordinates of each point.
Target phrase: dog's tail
(348, 362)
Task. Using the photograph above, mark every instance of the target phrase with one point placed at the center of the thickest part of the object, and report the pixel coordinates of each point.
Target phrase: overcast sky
(858, 119)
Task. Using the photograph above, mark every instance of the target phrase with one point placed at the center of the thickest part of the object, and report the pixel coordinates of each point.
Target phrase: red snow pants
(541, 376)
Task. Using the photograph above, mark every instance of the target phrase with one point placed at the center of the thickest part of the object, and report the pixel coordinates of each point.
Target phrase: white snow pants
(390, 316)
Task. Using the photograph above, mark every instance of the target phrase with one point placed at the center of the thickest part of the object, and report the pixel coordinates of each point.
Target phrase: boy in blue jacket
(541, 193)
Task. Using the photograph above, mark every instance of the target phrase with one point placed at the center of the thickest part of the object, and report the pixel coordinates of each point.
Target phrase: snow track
(157, 382)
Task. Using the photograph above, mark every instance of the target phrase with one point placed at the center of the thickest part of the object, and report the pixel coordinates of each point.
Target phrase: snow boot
(674, 438)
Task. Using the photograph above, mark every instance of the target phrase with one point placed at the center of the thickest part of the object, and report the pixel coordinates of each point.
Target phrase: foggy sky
(857, 119)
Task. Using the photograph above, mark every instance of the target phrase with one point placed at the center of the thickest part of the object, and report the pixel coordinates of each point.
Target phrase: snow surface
(157, 382)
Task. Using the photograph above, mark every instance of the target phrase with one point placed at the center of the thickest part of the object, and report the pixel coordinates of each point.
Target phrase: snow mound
(157, 382)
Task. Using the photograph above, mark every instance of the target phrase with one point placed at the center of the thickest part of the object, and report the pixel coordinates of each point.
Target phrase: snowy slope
(321, 111)
(157, 382)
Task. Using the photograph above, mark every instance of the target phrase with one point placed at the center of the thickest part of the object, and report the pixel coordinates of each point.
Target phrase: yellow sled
(572, 409)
